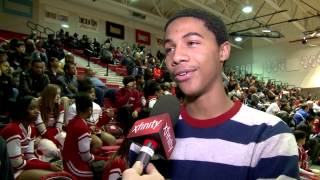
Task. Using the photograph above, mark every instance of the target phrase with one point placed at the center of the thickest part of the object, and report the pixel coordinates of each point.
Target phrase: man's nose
(180, 55)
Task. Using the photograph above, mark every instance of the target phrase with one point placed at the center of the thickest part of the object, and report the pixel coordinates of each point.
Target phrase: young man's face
(55, 63)
(5, 68)
(33, 110)
(193, 56)
(92, 94)
(21, 49)
(72, 70)
(131, 85)
(38, 68)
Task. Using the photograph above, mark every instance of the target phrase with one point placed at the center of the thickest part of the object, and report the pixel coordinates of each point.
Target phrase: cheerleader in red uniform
(20, 136)
(51, 120)
(76, 154)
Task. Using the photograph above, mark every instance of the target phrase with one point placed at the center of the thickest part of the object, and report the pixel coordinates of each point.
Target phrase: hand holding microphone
(155, 133)
(134, 173)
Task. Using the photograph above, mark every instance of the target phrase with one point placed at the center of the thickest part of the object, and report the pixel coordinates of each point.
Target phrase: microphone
(155, 133)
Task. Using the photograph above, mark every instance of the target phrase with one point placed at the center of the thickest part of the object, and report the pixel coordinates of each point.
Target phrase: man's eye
(168, 50)
(192, 43)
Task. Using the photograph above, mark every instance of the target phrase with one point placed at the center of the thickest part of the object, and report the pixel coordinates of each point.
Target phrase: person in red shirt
(117, 163)
(316, 125)
(20, 136)
(129, 96)
(77, 157)
(304, 168)
(157, 72)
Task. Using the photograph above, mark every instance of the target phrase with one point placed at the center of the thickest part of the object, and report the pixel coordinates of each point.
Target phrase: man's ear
(224, 51)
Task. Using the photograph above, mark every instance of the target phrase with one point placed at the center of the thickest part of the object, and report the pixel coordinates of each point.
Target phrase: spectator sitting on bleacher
(140, 83)
(54, 47)
(152, 93)
(129, 61)
(8, 92)
(234, 89)
(69, 58)
(129, 97)
(301, 114)
(30, 47)
(166, 87)
(34, 53)
(60, 34)
(96, 46)
(312, 143)
(136, 69)
(274, 107)
(40, 51)
(69, 82)
(16, 53)
(75, 41)
(101, 89)
(118, 55)
(25, 65)
(106, 54)
(34, 80)
(53, 71)
(157, 73)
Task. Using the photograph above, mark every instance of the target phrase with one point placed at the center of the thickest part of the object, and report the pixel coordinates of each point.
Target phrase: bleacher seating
(7, 35)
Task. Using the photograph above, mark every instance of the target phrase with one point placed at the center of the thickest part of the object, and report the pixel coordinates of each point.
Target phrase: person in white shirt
(99, 137)
(274, 107)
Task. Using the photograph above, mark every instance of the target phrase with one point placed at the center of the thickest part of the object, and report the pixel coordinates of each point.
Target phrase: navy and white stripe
(249, 144)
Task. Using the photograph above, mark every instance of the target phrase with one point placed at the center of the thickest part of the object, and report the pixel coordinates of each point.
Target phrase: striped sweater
(242, 143)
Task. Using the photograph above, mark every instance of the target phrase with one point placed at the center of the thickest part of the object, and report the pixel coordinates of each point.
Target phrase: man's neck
(209, 105)
(83, 116)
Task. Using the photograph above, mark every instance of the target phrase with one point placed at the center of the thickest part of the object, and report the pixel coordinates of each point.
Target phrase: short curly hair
(211, 21)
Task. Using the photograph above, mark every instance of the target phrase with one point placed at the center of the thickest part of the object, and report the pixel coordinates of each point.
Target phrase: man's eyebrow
(167, 41)
(192, 34)
(185, 36)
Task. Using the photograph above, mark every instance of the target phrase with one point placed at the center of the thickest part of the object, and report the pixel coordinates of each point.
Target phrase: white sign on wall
(88, 23)
(55, 15)
(310, 61)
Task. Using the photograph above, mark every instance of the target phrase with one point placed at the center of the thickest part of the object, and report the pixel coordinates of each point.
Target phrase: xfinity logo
(143, 126)
(167, 135)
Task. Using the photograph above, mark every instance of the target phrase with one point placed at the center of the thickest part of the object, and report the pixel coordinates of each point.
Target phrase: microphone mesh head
(167, 104)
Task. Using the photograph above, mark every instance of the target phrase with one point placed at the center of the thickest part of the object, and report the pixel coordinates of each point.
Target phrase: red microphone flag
(158, 128)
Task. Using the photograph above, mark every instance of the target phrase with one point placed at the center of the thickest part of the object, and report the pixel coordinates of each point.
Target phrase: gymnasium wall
(73, 11)
(292, 63)
(14, 14)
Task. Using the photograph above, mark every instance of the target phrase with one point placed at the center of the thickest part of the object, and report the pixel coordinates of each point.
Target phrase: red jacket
(126, 97)
(157, 73)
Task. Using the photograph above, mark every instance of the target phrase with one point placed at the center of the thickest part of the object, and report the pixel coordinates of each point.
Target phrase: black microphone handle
(145, 154)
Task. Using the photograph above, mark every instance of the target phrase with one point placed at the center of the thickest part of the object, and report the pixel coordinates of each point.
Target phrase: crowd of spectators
(42, 75)
(300, 112)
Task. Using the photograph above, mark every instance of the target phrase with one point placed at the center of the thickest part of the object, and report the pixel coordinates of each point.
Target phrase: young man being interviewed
(217, 138)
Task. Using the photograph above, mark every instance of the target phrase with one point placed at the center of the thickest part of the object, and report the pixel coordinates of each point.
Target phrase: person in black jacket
(5, 165)
(33, 81)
